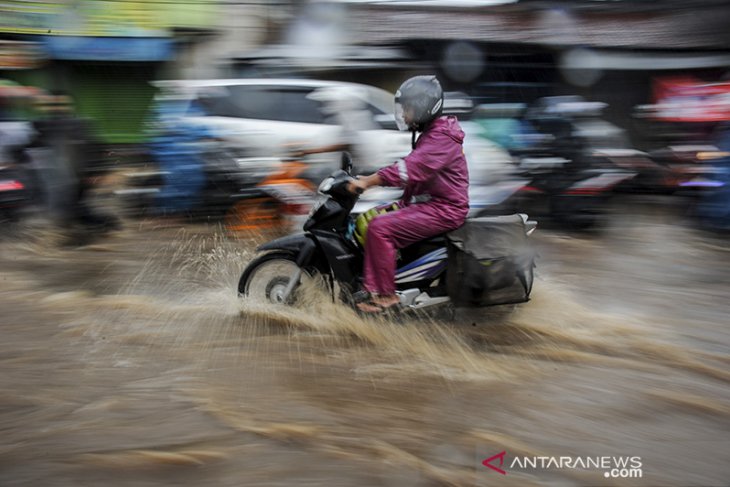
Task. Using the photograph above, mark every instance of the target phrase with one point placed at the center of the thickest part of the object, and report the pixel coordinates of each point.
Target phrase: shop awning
(80, 48)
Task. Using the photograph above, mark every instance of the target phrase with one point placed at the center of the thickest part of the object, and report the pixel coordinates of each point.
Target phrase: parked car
(269, 117)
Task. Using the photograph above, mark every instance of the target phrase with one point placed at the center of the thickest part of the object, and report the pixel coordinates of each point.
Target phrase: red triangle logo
(487, 462)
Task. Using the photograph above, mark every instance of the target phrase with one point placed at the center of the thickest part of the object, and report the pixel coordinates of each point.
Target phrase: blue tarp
(176, 149)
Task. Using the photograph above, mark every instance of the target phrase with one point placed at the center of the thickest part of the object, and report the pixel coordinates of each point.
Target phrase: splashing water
(139, 361)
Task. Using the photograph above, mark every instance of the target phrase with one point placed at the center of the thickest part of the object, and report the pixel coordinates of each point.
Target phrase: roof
(551, 23)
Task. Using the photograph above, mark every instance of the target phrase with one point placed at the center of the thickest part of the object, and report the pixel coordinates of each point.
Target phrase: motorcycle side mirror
(346, 162)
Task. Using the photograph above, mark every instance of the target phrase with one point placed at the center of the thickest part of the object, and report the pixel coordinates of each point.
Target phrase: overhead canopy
(642, 25)
(108, 48)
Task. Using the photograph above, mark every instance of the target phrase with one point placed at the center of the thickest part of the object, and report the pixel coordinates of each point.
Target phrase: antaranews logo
(500, 456)
(612, 466)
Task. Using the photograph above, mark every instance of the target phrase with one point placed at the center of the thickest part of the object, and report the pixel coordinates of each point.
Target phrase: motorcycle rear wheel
(267, 277)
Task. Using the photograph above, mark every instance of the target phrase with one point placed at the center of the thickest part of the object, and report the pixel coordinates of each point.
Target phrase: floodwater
(131, 362)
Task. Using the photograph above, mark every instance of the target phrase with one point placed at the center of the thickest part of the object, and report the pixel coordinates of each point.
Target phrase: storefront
(104, 54)
(109, 79)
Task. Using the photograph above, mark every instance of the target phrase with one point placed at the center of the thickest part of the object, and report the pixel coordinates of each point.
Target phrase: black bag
(490, 262)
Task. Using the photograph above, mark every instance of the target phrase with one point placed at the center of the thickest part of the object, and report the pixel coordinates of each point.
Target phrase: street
(132, 362)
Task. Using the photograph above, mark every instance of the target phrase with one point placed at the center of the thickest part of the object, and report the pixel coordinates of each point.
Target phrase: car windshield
(279, 103)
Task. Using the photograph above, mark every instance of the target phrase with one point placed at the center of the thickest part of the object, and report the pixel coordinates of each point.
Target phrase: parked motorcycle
(16, 176)
(686, 168)
(277, 202)
(19, 184)
(247, 194)
(227, 176)
(573, 197)
(568, 154)
(13, 193)
(487, 261)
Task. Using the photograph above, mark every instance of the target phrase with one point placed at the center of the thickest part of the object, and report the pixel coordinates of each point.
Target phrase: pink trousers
(395, 230)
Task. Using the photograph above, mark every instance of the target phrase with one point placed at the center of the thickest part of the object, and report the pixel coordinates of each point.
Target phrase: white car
(270, 117)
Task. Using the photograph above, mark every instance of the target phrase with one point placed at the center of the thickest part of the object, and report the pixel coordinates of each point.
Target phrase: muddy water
(131, 362)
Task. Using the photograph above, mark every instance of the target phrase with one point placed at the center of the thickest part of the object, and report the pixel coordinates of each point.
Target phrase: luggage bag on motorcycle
(490, 262)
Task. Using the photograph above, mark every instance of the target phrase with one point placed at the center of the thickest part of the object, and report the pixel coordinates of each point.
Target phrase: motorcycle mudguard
(290, 243)
(324, 251)
(302, 247)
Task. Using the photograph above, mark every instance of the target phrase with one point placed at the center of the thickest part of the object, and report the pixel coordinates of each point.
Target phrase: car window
(279, 103)
(374, 110)
(381, 105)
(380, 101)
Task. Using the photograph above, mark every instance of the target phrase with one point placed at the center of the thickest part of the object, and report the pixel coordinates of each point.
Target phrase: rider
(435, 180)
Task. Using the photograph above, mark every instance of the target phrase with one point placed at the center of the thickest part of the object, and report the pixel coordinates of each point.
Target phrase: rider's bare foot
(386, 300)
(369, 307)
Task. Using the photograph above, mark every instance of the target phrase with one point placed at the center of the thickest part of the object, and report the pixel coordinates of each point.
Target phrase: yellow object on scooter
(363, 221)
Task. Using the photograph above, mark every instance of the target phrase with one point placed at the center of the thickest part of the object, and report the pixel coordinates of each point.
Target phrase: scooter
(19, 187)
(576, 199)
(573, 172)
(433, 272)
(201, 190)
(13, 193)
(275, 203)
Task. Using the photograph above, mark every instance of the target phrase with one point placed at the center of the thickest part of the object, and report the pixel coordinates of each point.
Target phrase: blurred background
(147, 147)
(575, 99)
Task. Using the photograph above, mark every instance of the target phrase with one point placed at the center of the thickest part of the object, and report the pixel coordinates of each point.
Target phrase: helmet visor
(399, 119)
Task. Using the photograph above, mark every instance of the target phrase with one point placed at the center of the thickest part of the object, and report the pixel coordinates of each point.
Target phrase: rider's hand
(357, 186)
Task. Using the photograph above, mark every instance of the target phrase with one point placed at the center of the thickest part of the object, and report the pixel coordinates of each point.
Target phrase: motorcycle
(275, 203)
(560, 145)
(19, 185)
(493, 199)
(575, 198)
(247, 194)
(17, 178)
(687, 168)
(13, 193)
(429, 273)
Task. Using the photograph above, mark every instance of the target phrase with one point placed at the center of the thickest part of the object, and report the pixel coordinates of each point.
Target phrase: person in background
(72, 160)
(342, 107)
(176, 147)
(435, 179)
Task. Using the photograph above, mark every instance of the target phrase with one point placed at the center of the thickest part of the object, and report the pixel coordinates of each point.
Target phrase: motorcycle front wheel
(267, 279)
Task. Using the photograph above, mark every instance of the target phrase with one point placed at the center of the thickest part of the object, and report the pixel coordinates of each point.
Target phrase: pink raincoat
(435, 179)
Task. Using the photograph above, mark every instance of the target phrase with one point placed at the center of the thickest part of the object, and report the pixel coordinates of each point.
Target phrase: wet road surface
(131, 362)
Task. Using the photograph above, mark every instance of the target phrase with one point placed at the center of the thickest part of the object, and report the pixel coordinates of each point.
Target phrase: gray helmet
(424, 97)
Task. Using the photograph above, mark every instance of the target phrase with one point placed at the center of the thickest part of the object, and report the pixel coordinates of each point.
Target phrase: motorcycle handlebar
(356, 189)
